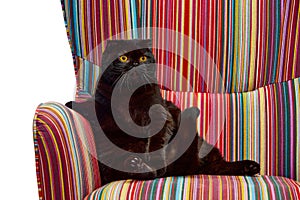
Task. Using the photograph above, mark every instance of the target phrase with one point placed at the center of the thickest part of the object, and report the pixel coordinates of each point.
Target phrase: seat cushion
(201, 187)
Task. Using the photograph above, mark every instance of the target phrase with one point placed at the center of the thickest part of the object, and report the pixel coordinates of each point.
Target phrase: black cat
(129, 69)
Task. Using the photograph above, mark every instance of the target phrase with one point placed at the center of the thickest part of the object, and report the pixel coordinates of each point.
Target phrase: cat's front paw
(136, 165)
(250, 168)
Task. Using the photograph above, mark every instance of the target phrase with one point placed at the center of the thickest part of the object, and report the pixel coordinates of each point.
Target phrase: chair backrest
(251, 43)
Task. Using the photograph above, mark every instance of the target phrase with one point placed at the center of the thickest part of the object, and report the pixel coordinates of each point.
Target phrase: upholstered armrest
(65, 153)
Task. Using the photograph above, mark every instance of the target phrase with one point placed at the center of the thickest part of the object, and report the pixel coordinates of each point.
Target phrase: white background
(35, 66)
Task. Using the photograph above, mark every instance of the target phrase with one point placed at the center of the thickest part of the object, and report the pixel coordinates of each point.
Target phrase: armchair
(255, 48)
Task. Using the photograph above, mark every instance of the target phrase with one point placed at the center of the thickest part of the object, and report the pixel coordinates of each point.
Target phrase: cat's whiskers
(124, 77)
(146, 78)
(114, 83)
(127, 84)
(127, 79)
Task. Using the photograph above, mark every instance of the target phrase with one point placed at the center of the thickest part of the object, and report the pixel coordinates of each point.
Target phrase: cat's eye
(123, 59)
(143, 59)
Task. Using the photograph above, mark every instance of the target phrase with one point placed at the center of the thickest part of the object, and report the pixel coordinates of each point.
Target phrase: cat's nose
(135, 64)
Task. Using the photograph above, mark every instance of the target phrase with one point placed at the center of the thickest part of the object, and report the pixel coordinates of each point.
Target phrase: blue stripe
(134, 17)
(76, 29)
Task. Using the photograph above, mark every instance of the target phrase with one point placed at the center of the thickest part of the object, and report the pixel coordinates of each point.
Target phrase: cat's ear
(128, 45)
(147, 43)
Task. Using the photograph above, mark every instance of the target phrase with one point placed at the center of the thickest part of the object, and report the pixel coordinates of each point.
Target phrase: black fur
(140, 102)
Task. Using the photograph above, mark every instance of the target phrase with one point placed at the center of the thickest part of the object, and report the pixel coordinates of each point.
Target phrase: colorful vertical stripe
(65, 149)
(261, 125)
(248, 52)
(251, 43)
(201, 187)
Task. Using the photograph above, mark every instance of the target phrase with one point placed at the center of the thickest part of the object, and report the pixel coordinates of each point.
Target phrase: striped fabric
(253, 46)
(201, 187)
(261, 125)
(252, 43)
(65, 169)
(255, 128)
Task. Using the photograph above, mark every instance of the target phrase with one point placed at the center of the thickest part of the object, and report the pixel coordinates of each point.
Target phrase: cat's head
(128, 62)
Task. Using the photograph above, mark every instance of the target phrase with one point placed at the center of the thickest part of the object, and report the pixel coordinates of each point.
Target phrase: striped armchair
(255, 50)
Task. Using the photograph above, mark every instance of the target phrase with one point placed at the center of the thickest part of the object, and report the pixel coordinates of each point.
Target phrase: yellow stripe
(242, 185)
(276, 104)
(236, 34)
(253, 125)
(83, 35)
(225, 64)
(250, 127)
(297, 100)
(109, 19)
(220, 187)
(49, 130)
(253, 44)
(205, 114)
(167, 186)
(196, 50)
(225, 54)
(210, 187)
(267, 42)
(234, 133)
(262, 117)
(245, 133)
(188, 188)
(127, 20)
(149, 17)
(141, 191)
(104, 192)
(163, 38)
(241, 43)
(189, 47)
(176, 43)
(96, 42)
(101, 24)
(182, 43)
(296, 44)
(198, 106)
(210, 57)
(125, 189)
(263, 188)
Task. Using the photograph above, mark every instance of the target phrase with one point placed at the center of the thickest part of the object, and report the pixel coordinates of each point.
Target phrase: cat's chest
(138, 109)
(112, 114)
(139, 113)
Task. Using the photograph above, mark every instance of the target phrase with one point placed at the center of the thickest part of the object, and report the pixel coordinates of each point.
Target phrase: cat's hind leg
(214, 164)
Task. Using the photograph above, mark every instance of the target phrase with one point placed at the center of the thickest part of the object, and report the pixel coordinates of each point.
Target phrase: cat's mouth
(135, 78)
